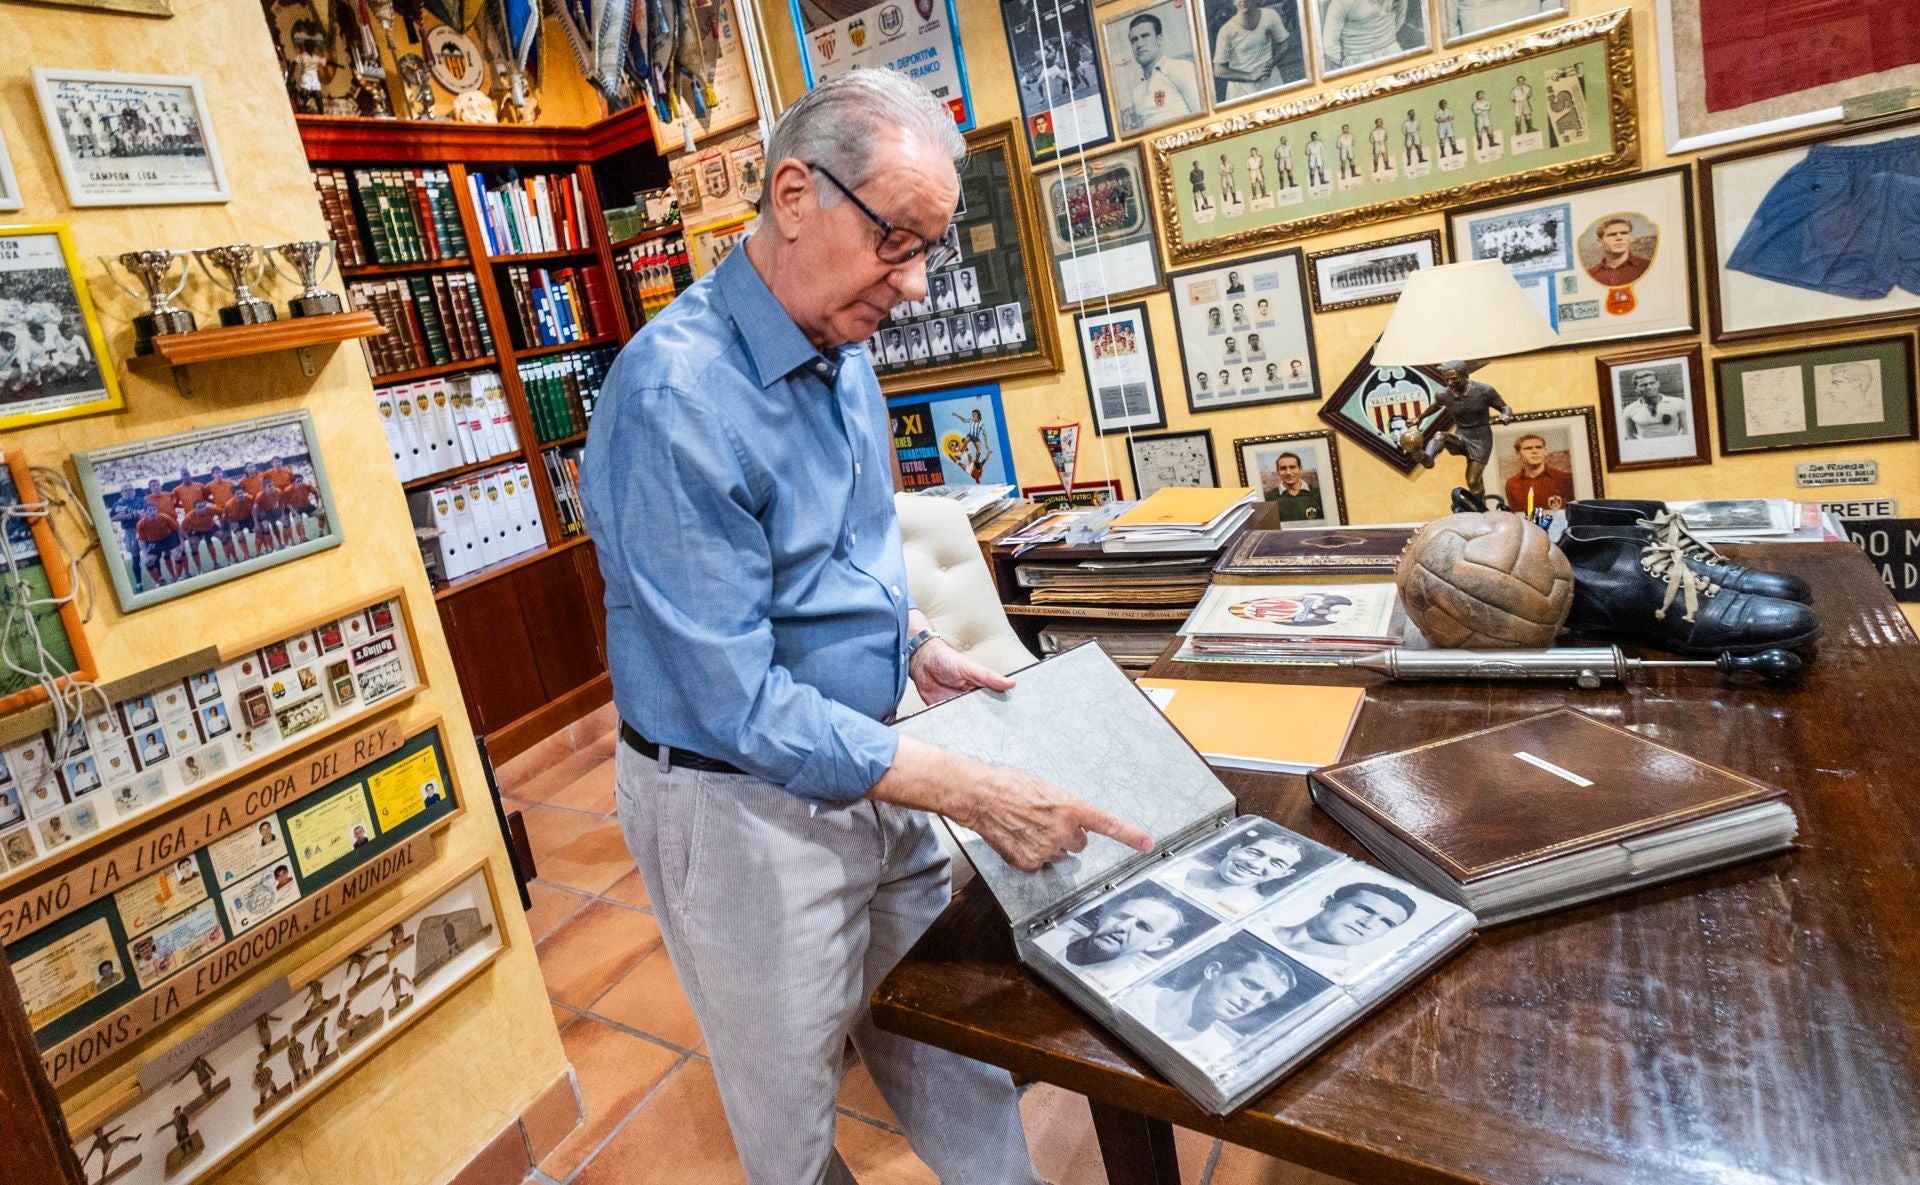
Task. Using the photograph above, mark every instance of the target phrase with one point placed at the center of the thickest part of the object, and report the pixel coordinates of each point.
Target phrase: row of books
(519, 215)
(570, 304)
(430, 321)
(481, 519)
(563, 474)
(445, 423)
(652, 274)
(404, 215)
(562, 390)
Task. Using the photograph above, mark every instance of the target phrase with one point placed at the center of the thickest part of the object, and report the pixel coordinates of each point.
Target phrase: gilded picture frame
(1320, 459)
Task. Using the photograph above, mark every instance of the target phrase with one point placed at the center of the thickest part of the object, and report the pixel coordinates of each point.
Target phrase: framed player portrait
(1123, 376)
(1245, 337)
(1254, 50)
(1299, 472)
(131, 139)
(1356, 34)
(1546, 459)
(1153, 66)
(1653, 406)
(1464, 20)
(1099, 214)
(1171, 459)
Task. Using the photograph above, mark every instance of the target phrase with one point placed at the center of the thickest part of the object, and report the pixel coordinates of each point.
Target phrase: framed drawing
(37, 576)
(1464, 20)
(1370, 273)
(1085, 493)
(130, 139)
(1123, 377)
(178, 533)
(1653, 404)
(1056, 67)
(839, 35)
(1546, 459)
(1544, 109)
(1152, 66)
(951, 438)
(1605, 261)
(1245, 337)
(1360, 34)
(1845, 393)
(725, 105)
(989, 315)
(1100, 227)
(57, 360)
(1731, 72)
(1373, 405)
(1254, 50)
(1769, 266)
(1297, 471)
(1171, 459)
(9, 184)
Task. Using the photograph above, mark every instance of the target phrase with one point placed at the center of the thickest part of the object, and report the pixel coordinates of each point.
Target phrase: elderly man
(760, 633)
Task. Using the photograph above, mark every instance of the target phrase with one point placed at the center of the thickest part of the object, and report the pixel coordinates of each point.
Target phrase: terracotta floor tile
(649, 999)
(551, 906)
(592, 791)
(1241, 1166)
(1066, 1152)
(616, 1070)
(557, 776)
(603, 746)
(542, 754)
(590, 953)
(630, 890)
(577, 851)
(680, 1137)
(859, 1095)
(562, 1015)
(602, 721)
(878, 1156)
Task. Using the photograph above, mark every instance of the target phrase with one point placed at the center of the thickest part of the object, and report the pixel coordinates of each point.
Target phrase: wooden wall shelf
(181, 350)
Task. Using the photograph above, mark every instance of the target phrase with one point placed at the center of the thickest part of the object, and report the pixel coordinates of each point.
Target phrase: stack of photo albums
(1236, 948)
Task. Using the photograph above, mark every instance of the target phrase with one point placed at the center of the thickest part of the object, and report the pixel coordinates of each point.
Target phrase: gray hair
(838, 123)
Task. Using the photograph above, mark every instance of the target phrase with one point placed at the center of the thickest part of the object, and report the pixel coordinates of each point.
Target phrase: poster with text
(955, 438)
(917, 38)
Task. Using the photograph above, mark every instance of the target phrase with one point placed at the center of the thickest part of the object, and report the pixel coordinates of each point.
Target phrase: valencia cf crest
(1310, 609)
(857, 32)
(891, 20)
(926, 9)
(825, 46)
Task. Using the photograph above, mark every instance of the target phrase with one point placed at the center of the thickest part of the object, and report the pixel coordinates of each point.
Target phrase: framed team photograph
(1604, 261)
(181, 513)
(1374, 406)
(1056, 66)
(1464, 20)
(1370, 273)
(1254, 50)
(1358, 34)
(1653, 406)
(1153, 66)
(1245, 337)
(55, 359)
(1299, 472)
(1845, 393)
(1546, 459)
(1171, 459)
(10, 198)
(1123, 377)
(131, 139)
(1099, 212)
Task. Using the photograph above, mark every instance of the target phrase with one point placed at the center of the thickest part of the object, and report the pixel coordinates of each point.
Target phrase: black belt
(680, 757)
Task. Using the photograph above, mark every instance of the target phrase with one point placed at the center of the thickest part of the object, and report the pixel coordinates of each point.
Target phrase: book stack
(405, 215)
(562, 390)
(563, 474)
(1132, 645)
(482, 518)
(431, 320)
(1181, 520)
(652, 274)
(445, 423)
(336, 205)
(1291, 622)
(1307, 552)
(522, 215)
(554, 308)
(1176, 581)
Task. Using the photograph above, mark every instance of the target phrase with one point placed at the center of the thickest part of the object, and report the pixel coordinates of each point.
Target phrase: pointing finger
(1113, 827)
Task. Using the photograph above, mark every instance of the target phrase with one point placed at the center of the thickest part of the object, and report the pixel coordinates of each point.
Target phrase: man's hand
(939, 672)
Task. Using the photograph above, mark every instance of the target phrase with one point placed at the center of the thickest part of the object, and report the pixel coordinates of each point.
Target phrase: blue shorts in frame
(1845, 221)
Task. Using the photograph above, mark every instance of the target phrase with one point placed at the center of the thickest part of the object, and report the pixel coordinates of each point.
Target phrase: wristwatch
(918, 640)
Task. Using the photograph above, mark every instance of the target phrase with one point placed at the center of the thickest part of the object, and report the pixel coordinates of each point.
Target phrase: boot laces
(1671, 529)
(1668, 562)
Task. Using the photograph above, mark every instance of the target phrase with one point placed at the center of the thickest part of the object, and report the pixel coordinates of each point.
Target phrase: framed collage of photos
(1099, 215)
(1171, 459)
(59, 366)
(1056, 67)
(1123, 378)
(1354, 35)
(1604, 261)
(1370, 273)
(131, 139)
(1373, 405)
(1299, 472)
(1653, 405)
(990, 315)
(1844, 393)
(1545, 459)
(1153, 66)
(1254, 51)
(1245, 338)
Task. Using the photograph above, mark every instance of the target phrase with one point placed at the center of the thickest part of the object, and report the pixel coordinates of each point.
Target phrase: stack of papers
(1132, 645)
(1277, 622)
(1179, 581)
(979, 503)
(1181, 519)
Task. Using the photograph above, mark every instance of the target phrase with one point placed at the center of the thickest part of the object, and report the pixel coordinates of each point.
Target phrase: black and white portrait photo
(1463, 20)
(1255, 48)
(1125, 936)
(1350, 922)
(1654, 406)
(130, 139)
(1355, 34)
(1223, 995)
(1242, 870)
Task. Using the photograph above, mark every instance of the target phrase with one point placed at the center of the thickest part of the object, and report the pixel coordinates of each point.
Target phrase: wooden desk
(1757, 1024)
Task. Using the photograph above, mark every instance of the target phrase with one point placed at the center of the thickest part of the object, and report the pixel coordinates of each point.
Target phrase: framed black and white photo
(1245, 337)
(1358, 34)
(1254, 50)
(1153, 71)
(131, 139)
(1842, 393)
(1370, 273)
(1056, 67)
(1546, 459)
(9, 185)
(52, 360)
(1653, 404)
(1099, 218)
(1299, 472)
(1123, 380)
(1171, 459)
(186, 512)
(1464, 20)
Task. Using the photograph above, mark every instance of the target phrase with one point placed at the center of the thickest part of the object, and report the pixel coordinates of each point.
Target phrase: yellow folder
(1182, 506)
(1276, 727)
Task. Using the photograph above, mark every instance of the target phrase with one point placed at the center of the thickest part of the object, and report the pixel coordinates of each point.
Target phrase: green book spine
(371, 215)
(430, 320)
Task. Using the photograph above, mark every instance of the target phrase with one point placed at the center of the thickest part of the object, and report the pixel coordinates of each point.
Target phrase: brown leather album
(1517, 794)
(1328, 551)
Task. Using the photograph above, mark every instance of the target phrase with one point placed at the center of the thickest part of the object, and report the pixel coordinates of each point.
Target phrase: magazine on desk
(1235, 949)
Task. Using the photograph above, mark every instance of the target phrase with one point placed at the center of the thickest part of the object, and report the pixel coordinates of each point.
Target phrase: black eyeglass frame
(937, 253)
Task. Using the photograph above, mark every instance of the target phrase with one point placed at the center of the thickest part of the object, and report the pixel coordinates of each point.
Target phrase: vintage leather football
(1485, 581)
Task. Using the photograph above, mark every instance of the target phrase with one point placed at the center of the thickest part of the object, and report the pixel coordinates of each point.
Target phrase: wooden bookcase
(528, 634)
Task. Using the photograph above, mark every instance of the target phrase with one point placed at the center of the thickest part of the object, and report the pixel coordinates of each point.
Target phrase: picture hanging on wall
(951, 438)
(1245, 337)
(1653, 404)
(1464, 20)
(1374, 405)
(131, 139)
(58, 368)
(1153, 66)
(1056, 66)
(1171, 459)
(9, 184)
(1254, 51)
(1099, 218)
(1299, 472)
(1359, 34)
(728, 103)
(40, 591)
(841, 35)
(1123, 377)
(1844, 393)
(1370, 273)
(1545, 459)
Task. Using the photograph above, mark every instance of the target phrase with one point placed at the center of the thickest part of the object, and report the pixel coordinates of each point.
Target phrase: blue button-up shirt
(740, 499)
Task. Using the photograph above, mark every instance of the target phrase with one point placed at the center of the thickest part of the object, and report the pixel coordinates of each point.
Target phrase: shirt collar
(774, 343)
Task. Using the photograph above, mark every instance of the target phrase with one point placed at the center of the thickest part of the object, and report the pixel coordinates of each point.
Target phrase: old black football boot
(1630, 588)
(1702, 557)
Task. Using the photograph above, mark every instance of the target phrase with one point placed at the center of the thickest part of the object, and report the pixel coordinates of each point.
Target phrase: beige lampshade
(1468, 311)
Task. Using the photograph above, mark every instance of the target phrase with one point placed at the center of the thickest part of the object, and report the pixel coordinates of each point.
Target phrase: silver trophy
(305, 256)
(243, 269)
(152, 269)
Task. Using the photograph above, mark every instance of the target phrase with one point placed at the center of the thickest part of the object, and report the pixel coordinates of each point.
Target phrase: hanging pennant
(1063, 449)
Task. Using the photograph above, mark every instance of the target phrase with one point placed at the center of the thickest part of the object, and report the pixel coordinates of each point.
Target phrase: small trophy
(243, 270)
(152, 268)
(305, 256)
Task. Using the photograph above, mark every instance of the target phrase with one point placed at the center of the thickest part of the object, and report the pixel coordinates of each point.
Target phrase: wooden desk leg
(1136, 1150)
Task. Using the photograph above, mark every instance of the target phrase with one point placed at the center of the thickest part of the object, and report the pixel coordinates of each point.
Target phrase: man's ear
(790, 192)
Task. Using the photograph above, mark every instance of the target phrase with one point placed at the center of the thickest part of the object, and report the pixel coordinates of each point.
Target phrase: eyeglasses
(897, 245)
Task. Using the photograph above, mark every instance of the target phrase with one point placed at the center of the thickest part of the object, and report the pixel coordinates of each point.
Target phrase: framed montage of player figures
(1374, 405)
(1171, 459)
(1370, 273)
(1552, 107)
(1604, 261)
(1297, 471)
(131, 139)
(1100, 227)
(1256, 53)
(1245, 337)
(1359, 34)
(1653, 406)
(1056, 66)
(1554, 456)
(1844, 393)
(1152, 66)
(186, 512)
(1123, 377)
(989, 315)
(58, 362)
(1773, 261)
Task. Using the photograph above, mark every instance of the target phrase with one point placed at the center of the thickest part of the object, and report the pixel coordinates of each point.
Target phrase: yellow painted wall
(421, 1107)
